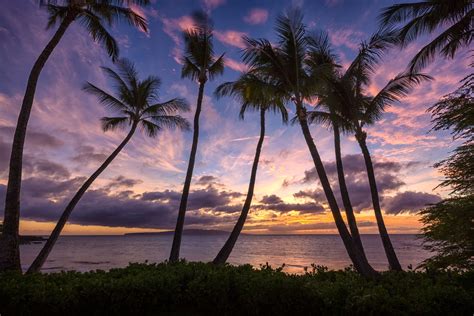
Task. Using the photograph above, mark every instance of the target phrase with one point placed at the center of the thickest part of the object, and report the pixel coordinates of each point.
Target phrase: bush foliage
(204, 289)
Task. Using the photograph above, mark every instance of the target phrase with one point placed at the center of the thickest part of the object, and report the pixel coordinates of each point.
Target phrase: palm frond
(150, 128)
(393, 91)
(370, 54)
(198, 46)
(113, 123)
(128, 73)
(167, 108)
(98, 32)
(292, 44)
(112, 13)
(217, 68)
(105, 98)
(447, 43)
(56, 14)
(189, 70)
(254, 93)
(169, 121)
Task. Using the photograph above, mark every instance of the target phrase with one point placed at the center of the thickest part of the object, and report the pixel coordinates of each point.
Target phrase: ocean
(84, 253)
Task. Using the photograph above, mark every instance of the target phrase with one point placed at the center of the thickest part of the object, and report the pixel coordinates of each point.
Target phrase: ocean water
(84, 253)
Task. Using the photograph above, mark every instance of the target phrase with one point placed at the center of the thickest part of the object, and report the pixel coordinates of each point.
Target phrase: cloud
(271, 199)
(43, 199)
(235, 65)
(122, 182)
(387, 176)
(256, 16)
(174, 28)
(408, 202)
(34, 138)
(86, 154)
(207, 180)
(210, 5)
(275, 203)
(231, 37)
(346, 37)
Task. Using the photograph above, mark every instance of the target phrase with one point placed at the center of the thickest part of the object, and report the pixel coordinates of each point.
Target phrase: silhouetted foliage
(205, 289)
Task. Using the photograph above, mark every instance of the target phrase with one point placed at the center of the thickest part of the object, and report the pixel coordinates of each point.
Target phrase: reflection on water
(85, 253)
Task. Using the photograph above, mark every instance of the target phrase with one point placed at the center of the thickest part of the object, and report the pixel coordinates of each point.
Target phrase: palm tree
(357, 109)
(285, 66)
(92, 14)
(201, 65)
(324, 65)
(137, 106)
(254, 94)
(454, 17)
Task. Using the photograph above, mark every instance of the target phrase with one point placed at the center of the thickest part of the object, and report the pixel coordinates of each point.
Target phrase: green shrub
(204, 289)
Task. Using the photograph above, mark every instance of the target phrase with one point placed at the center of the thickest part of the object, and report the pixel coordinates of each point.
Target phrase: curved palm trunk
(48, 246)
(9, 241)
(387, 243)
(361, 265)
(345, 193)
(224, 253)
(174, 255)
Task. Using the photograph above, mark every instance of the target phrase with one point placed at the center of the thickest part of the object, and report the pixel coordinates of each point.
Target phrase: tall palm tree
(455, 18)
(136, 103)
(285, 66)
(199, 64)
(92, 14)
(357, 109)
(254, 94)
(324, 67)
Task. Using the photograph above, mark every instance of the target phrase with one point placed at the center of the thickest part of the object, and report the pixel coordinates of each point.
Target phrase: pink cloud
(346, 37)
(212, 4)
(232, 38)
(256, 16)
(173, 28)
(235, 65)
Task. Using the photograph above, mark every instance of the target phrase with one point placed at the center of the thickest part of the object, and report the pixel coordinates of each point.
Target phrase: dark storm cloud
(408, 202)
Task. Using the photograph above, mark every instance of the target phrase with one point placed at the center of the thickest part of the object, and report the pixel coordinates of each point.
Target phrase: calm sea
(85, 253)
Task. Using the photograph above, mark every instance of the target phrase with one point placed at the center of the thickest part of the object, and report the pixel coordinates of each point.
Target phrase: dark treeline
(295, 69)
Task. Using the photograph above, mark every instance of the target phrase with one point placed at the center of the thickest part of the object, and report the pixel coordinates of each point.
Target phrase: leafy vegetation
(205, 289)
(449, 225)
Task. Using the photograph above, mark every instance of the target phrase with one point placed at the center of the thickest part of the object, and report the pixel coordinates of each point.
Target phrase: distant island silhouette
(198, 232)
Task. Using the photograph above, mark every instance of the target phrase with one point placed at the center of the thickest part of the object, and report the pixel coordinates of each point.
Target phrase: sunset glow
(142, 188)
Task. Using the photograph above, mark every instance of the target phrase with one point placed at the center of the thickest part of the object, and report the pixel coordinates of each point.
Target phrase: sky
(140, 191)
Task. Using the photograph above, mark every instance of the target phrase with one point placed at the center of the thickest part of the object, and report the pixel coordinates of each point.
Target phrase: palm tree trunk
(9, 241)
(345, 193)
(387, 243)
(361, 265)
(224, 254)
(48, 246)
(174, 255)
